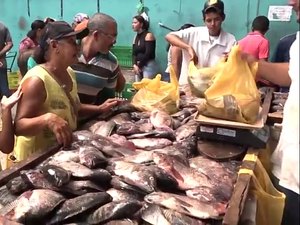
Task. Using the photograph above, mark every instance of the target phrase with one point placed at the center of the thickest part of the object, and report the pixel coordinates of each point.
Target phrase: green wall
(172, 13)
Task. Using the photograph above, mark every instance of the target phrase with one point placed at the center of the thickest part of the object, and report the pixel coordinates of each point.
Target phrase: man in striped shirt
(98, 73)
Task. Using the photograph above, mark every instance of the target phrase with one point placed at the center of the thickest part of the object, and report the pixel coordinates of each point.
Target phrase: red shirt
(255, 44)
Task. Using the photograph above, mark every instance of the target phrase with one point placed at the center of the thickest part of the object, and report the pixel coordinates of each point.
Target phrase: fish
(186, 205)
(118, 195)
(121, 118)
(135, 174)
(114, 210)
(56, 175)
(66, 155)
(105, 129)
(128, 128)
(81, 171)
(151, 143)
(93, 125)
(80, 187)
(140, 157)
(184, 113)
(186, 130)
(34, 205)
(122, 222)
(124, 107)
(17, 185)
(37, 180)
(83, 135)
(221, 193)
(6, 197)
(91, 157)
(144, 125)
(187, 178)
(188, 146)
(117, 183)
(139, 115)
(164, 179)
(122, 140)
(153, 215)
(78, 205)
(157, 133)
(161, 119)
(178, 218)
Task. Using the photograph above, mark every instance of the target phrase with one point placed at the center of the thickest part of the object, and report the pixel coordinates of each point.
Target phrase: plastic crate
(128, 91)
(124, 55)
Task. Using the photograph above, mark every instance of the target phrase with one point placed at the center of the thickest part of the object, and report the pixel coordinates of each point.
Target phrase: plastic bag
(270, 202)
(233, 94)
(157, 94)
(200, 79)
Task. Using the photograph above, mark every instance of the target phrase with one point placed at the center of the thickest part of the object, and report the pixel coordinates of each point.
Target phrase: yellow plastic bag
(200, 79)
(157, 94)
(270, 202)
(233, 94)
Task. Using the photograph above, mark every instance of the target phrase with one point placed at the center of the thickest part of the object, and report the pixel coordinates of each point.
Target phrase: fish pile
(126, 167)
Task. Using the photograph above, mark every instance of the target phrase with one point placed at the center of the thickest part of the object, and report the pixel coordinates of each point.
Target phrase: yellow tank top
(56, 102)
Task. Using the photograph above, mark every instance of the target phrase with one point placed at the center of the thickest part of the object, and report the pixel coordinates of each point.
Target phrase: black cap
(58, 29)
(218, 5)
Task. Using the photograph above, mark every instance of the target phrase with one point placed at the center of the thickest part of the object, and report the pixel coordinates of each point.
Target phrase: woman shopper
(143, 50)
(50, 106)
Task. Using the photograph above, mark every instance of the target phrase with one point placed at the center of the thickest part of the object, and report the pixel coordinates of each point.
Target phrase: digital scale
(255, 138)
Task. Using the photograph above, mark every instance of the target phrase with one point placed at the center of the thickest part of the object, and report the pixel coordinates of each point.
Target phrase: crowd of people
(56, 67)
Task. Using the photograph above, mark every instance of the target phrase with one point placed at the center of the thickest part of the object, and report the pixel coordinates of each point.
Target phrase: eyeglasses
(111, 36)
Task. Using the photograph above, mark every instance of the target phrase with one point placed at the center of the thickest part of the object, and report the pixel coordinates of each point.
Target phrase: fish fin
(177, 174)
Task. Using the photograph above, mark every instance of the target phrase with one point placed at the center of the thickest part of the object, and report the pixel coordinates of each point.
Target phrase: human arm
(120, 81)
(31, 119)
(8, 43)
(90, 110)
(178, 42)
(176, 59)
(7, 133)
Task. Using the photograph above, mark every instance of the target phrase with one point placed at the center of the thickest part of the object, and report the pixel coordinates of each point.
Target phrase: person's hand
(193, 55)
(136, 69)
(108, 104)
(60, 128)
(8, 103)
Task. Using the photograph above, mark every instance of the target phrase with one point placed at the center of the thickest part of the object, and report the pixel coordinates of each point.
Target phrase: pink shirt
(26, 44)
(255, 44)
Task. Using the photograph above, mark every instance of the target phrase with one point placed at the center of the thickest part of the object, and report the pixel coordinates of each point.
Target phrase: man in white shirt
(204, 45)
(285, 158)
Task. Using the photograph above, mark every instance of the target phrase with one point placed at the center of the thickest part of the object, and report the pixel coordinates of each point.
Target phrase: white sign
(280, 13)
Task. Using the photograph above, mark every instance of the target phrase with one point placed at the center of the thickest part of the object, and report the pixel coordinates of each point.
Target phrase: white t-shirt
(285, 158)
(208, 53)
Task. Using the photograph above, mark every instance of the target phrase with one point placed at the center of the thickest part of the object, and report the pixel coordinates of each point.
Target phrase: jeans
(4, 90)
(292, 201)
(150, 70)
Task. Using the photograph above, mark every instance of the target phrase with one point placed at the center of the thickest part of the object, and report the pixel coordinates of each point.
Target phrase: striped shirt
(97, 77)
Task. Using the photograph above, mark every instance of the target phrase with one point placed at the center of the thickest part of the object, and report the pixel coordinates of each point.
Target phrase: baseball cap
(218, 5)
(59, 29)
(82, 28)
(79, 17)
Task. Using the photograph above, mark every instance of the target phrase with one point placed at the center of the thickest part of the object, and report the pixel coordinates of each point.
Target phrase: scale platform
(255, 138)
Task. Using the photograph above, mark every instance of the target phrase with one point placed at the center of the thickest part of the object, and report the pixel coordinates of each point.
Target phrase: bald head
(100, 21)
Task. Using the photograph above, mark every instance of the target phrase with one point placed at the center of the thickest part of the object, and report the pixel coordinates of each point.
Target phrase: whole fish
(80, 171)
(113, 211)
(105, 129)
(151, 143)
(118, 195)
(121, 140)
(34, 205)
(4, 221)
(187, 178)
(91, 157)
(161, 119)
(178, 218)
(56, 175)
(17, 185)
(186, 130)
(121, 118)
(186, 205)
(153, 215)
(63, 156)
(128, 128)
(83, 135)
(144, 125)
(80, 204)
(139, 115)
(124, 107)
(93, 125)
(135, 174)
(157, 133)
(117, 183)
(184, 113)
(80, 187)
